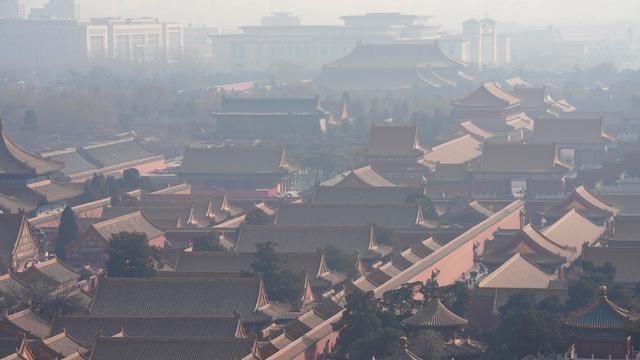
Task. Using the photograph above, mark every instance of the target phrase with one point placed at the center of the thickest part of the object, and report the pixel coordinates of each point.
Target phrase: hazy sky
(229, 14)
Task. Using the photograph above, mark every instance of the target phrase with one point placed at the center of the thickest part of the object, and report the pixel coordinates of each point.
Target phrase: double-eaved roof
(118, 348)
(573, 231)
(583, 200)
(392, 216)
(602, 315)
(179, 298)
(232, 159)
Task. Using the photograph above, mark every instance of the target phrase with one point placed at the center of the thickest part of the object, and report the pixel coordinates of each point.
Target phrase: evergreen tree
(67, 232)
(256, 217)
(129, 255)
(208, 242)
(281, 284)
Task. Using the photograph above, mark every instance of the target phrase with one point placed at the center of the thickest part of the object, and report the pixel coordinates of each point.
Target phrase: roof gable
(488, 95)
(392, 141)
(517, 273)
(229, 159)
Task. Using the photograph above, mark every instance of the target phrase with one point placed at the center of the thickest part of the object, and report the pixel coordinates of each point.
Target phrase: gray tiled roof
(115, 152)
(223, 262)
(85, 328)
(363, 195)
(171, 349)
(178, 298)
(305, 239)
(386, 216)
(74, 163)
(230, 159)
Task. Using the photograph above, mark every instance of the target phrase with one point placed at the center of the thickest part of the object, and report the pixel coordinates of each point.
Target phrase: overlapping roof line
(301, 344)
(16, 160)
(603, 315)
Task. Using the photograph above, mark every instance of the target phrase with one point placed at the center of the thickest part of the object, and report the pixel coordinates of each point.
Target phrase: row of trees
(371, 327)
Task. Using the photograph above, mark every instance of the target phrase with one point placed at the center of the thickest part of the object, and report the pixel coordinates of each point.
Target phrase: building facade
(281, 39)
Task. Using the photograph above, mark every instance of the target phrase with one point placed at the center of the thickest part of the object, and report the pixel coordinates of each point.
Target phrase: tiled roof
(579, 130)
(519, 158)
(31, 323)
(14, 160)
(178, 298)
(11, 284)
(55, 191)
(364, 176)
(229, 159)
(112, 348)
(161, 217)
(64, 344)
(435, 315)
(629, 204)
(134, 222)
(473, 129)
(387, 216)
(403, 353)
(74, 162)
(581, 199)
(270, 105)
(457, 151)
(517, 273)
(306, 239)
(624, 259)
(85, 328)
(10, 226)
(488, 94)
(573, 231)
(363, 195)
(115, 153)
(9, 345)
(52, 271)
(223, 262)
(527, 241)
(390, 55)
(603, 315)
(393, 140)
(15, 205)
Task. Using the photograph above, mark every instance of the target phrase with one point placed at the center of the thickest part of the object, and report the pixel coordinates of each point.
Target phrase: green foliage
(429, 345)
(402, 301)
(257, 217)
(584, 291)
(280, 283)
(428, 210)
(457, 298)
(337, 260)
(208, 242)
(67, 232)
(129, 255)
(528, 328)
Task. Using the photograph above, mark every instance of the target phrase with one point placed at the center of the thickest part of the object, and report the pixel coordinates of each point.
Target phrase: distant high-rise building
(281, 39)
(280, 19)
(486, 48)
(56, 9)
(12, 9)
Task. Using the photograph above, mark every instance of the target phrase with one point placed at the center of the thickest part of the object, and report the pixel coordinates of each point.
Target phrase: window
(518, 187)
(567, 155)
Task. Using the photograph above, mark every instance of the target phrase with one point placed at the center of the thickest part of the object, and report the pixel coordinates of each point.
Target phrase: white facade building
(282, 40)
